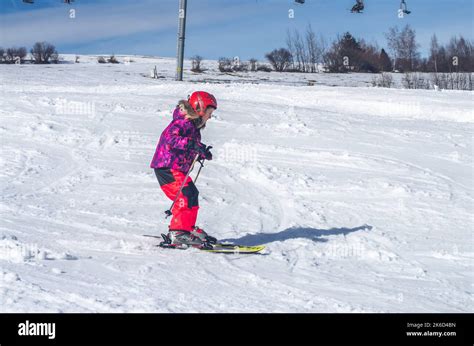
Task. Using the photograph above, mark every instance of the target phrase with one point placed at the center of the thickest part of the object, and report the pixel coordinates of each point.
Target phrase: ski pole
(201, 163)
(197, 175)
(168, 212)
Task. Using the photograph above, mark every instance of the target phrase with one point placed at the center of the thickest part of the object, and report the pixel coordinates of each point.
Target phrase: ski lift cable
(32, 1)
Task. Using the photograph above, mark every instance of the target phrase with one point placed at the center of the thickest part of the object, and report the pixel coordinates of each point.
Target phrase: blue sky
(215, 28)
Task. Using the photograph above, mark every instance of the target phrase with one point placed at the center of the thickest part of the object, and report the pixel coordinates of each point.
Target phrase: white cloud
(100, 22)
(90, 23)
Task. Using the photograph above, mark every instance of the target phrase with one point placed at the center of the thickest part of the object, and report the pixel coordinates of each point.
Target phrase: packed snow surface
(362, 196)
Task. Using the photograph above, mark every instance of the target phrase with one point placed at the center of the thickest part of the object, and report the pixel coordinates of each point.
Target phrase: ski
(235, 249)
(219, 247)
(152, 236)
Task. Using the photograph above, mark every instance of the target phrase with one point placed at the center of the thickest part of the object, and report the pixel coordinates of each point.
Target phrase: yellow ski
(219, 247)
(235, 249)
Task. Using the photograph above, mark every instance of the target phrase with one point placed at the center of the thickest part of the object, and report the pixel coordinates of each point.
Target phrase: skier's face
(208, 114)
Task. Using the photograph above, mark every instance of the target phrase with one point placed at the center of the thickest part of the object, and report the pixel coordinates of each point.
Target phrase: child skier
(177, 148)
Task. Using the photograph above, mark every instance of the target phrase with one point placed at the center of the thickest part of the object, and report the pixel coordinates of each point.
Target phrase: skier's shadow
(294, 233)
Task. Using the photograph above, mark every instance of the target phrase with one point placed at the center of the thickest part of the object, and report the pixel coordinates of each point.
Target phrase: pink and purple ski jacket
(173, 149)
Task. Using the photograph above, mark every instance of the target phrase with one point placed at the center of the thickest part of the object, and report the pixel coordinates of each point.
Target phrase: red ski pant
(186, 207)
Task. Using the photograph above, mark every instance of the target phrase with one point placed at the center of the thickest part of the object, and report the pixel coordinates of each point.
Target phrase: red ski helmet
(200, 100)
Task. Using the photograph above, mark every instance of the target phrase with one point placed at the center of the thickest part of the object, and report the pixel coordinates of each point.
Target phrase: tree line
(41, 53)
(309, 52)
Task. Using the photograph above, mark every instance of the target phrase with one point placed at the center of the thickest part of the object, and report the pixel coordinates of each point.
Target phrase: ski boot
(182, 239)
(198, 232)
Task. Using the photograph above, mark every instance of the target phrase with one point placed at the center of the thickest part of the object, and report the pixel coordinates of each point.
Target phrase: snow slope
(363, 196)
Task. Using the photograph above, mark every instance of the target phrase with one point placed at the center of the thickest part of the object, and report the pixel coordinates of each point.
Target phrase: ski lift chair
(358, 7)
(404, 8)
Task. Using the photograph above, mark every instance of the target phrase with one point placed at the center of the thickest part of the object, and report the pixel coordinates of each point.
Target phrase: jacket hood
(184, 108)
(177, 114)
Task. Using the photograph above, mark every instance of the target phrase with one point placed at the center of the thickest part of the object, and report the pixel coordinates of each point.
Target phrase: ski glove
(203, 150)
(208, 154)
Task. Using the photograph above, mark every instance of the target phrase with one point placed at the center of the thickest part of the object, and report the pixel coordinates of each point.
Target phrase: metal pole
(181, 33)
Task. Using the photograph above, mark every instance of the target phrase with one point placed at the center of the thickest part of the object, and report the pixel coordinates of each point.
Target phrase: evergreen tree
(385, 61)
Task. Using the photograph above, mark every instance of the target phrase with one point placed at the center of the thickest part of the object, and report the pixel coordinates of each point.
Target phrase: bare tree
(306, 50)
(22, 53)
(113, 60)
(415, 81)
(43, 52)
(312, 49)
(394, 44)
(300, 52)
(453, 80)
(315, 49)
(280, 59)
(461, 54)
(410, 46)
(384, 80)
(333, 57)
(404, 47)
(253, 64)
(225, 64)
(13, 54)
(10, 54)
(296, 47)
(196, 64)
(321, 48)
(291, 48)
(2, 53)
(434, 51)
(456, 56)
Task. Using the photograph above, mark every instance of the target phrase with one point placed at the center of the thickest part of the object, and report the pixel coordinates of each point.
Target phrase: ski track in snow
(362, 196)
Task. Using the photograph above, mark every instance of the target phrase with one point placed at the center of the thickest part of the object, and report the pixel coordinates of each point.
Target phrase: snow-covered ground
(363, 196)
